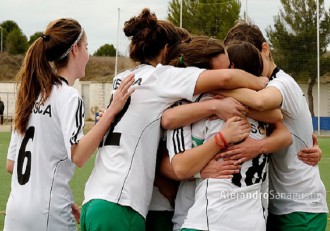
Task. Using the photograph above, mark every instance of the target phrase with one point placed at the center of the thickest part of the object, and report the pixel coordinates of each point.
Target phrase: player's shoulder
(283, 76)
(282, 79)
(64, 92)
(139, 70)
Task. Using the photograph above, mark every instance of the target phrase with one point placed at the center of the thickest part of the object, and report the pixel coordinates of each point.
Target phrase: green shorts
(102, 215)
(159, 221)
(297, 221)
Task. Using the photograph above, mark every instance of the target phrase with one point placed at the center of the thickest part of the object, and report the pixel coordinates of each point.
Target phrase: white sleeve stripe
(178, 140)
(79, 122)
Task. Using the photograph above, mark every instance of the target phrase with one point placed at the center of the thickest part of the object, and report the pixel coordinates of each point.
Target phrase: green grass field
(81, 175)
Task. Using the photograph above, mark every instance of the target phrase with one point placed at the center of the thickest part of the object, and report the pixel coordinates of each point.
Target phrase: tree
(8, 26)
(294, 40)
(34, 37)
(16, 42)
(106, 50)
(205, 17)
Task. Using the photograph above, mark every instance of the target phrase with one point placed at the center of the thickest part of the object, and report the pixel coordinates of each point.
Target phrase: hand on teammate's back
(227, 107)
(235, 129)
(224, 169)
(122, 93)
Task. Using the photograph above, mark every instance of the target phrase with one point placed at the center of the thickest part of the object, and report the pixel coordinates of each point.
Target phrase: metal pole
(1, 37)
(318, 64)
(117, 50)
(180, 13)
(246, 10)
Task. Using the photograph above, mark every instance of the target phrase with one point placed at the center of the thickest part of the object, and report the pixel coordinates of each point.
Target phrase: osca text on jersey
(39, 108)
(117, 82)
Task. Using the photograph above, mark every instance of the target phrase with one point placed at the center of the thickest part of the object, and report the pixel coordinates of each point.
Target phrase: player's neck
(272, 67)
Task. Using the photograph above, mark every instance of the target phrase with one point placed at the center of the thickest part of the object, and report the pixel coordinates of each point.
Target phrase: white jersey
(125, 163)
(229, 204)
(40, 197)
(11, 154)
(179, 140)
(294, 185)
(159, 202)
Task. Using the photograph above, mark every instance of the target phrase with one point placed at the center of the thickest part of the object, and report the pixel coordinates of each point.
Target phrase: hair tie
(181, 62)
(45, 37)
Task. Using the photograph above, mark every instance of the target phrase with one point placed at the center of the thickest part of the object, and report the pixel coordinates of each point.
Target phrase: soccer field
(81, 175)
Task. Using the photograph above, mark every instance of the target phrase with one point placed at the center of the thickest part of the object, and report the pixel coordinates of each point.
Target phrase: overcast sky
(100, 17)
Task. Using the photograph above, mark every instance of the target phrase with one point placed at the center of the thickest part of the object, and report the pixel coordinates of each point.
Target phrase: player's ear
(265, 49)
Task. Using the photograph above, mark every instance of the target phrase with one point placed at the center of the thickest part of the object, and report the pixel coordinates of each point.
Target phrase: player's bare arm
(250, 148)
(190, 162)
(211, 80)
(265, 99)
(183, 115)
(312, 155)
(270, 116)
(87, 145)
(10, 166)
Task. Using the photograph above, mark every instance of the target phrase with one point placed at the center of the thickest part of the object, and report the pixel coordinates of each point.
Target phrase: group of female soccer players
(216, 147)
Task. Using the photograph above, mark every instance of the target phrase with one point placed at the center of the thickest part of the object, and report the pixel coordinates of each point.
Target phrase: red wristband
(217, 141)
(223, 140)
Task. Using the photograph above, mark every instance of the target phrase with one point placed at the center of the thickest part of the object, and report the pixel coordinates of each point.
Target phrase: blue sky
(100, 17)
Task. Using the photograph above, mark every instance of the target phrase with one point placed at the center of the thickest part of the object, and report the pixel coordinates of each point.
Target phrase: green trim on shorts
(159, 221)
(297, 221)
(102, 215)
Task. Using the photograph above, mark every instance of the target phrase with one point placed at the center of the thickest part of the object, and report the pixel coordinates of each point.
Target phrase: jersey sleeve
(290, 92)
(178, 140)
(176, 83)
(12, 149)
(72, 114)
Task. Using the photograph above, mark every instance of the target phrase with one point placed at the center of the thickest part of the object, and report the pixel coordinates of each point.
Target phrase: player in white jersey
(122, 178)
(209, 53)
(296, 189)
(212, 214)
(219, 201)
(11, 154)
(48, 139)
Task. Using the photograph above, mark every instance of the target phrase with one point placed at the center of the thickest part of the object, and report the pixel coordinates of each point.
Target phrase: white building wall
(97, 95)
(324, 98)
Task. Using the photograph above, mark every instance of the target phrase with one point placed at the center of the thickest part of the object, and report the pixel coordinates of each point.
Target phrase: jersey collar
(64, 80)
(273, 76)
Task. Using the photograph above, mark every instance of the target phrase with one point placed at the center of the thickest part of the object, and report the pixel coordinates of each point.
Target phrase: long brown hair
(196, 51)
(36, 76)
(248, 32)
(149, 36)
(245, 56)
